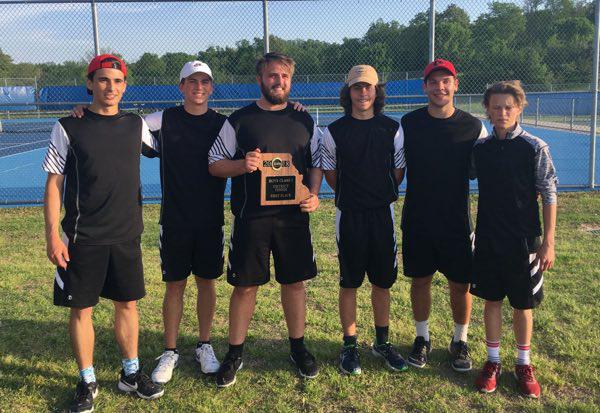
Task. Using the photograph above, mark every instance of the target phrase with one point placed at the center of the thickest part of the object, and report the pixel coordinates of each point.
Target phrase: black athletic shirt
(191, 197)
(100, 157)
(286, 131)
(437, 155)
(364, 153)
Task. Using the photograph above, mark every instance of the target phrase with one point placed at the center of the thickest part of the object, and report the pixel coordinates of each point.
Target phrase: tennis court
(23, 143)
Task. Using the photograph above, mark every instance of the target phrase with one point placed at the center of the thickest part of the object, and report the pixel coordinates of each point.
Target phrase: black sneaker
(393, 359)
(140, 384)
(305, 363)
(349, 360)
(229, 367)
(418, 355)
(459, 354)
(83, 402)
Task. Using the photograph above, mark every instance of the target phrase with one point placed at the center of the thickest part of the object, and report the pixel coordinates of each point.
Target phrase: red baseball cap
(107, 61)
(439, 64)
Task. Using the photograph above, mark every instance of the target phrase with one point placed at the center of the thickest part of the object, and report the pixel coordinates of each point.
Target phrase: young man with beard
(436, 228)
(268, 125)
(363, 161)
(99, 254)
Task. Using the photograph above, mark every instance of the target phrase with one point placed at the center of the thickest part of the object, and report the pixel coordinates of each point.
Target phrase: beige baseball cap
(362, 73)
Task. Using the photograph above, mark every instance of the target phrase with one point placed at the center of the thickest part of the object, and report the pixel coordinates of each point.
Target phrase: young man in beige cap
(363, 161)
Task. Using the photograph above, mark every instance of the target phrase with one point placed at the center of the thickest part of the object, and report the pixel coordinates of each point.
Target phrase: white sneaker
(167, 362)
(205, 355)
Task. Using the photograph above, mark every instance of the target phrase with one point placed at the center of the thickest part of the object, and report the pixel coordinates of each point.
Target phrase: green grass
(38, 372)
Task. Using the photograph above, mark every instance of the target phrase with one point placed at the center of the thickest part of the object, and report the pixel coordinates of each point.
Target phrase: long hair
(346, 101)
(509, 87)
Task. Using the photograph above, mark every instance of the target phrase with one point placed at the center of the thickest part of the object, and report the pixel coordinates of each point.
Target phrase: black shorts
(424, 253)
(191, 250)
(367, 243)
(253, 239)
(508, 268)
(110, 271)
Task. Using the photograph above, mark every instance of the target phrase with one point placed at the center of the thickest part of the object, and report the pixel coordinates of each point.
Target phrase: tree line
(542, 42)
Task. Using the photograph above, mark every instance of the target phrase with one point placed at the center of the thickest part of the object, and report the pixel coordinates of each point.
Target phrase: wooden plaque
(280, 181)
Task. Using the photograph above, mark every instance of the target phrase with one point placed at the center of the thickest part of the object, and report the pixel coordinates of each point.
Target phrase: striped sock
(523, 354)
(493, 351)
(130, 366)
(88, 375)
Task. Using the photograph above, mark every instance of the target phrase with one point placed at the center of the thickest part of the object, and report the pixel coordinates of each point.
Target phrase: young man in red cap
(361, 154)
(99, 253)
(436, 229)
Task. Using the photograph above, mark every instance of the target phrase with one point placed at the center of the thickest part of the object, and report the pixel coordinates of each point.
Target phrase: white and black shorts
(111, 271)
(198, 251)
(253, 240)
(367, 244)
(508, 268)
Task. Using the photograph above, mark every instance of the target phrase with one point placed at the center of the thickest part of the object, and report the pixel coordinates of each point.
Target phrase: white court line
(18, 167)
(21, 153)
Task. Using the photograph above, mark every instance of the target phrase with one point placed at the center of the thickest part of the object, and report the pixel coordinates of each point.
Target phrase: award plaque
(280, 181)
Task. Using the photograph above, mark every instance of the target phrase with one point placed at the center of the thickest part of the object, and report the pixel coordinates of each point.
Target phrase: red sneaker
(486, 381)
(528, 385)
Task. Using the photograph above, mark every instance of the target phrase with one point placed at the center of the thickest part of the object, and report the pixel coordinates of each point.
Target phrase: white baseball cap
(195, 66)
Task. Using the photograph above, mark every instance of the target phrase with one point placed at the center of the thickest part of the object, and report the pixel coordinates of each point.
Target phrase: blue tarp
(15, 95)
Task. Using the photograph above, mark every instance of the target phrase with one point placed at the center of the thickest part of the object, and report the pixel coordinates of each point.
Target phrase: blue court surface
(22, 151)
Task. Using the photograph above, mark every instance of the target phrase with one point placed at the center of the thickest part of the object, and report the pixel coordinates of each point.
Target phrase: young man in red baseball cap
(436, 230)
(99, 253)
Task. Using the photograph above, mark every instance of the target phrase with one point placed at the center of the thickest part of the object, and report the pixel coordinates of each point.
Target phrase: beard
(271, 97)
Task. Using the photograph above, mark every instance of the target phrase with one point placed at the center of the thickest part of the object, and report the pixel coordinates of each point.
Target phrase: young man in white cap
(363, 161)
(436, 230)
(95, 162)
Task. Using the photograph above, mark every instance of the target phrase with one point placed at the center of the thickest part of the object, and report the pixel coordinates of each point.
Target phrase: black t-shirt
(100, 157)
(279, 131)
(364, 153)
(191, 197)
(437, 155)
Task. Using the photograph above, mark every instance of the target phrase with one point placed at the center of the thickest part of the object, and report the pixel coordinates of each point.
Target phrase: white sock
(523, 354)
(422, 329)
(460, 332)
(493, 351)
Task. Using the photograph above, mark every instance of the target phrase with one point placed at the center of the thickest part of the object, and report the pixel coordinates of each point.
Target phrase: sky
(59, 32)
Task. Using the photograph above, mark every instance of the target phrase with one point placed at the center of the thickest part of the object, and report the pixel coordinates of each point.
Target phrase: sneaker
(83, 402)
(418, 355)
(305, 363)
(227, 370)
(140, 384)
(487, 379)
(459, 354)
(393, 359)
(349, 360)
(528, 385)
(205, 356)
(167, 362)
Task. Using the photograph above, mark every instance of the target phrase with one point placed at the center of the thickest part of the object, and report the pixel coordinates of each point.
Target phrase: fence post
(317, 116)
(95, 28)
(594, 97)
(265, 26)
(431, 30)
(470, 101)
(572, 113)
(537, 110)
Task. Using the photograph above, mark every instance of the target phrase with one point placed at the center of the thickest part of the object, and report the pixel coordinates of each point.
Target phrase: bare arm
(227, 168)
(546, 252)
(331, 178)
(56, 249)
(399, 175)
(310, 204)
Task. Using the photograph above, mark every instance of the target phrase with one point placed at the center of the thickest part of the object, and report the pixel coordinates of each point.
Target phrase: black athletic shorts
(110, 271)
(424, 253)
(191, 250)
(367, 243)
(253, 240)
(508, 268)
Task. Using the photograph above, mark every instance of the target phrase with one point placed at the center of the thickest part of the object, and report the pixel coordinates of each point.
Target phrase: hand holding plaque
(280, 181)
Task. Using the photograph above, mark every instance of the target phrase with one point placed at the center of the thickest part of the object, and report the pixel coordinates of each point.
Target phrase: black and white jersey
(279, 131)
(100, 158)
(364, 153)
(511, 172)
(191, 197)
(438, 153)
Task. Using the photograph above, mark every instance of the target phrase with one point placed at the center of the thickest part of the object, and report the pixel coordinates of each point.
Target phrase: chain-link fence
(45, 47)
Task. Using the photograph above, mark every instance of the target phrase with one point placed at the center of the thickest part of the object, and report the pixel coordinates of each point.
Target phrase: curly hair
(346, 101)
